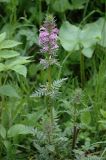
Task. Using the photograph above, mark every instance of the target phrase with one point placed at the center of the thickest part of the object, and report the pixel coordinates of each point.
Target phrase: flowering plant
(48, 42)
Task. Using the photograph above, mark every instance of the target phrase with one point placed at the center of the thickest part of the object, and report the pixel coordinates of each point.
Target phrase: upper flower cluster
(48, 36)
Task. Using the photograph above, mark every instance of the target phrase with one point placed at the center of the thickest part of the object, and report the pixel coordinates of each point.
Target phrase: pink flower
(48, 37)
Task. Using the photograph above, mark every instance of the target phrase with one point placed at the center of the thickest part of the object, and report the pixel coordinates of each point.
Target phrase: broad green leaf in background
(8, 90)
(2, 36)
(88, 52)
(2, 131)
(78, 4)
(8, 44)
(18, 129)
(5, 1)
(11, 59)
(74, 38)
(90, 35)
(101, 22)
(8, 54)
(17, 60)
(21, 69)
(69, 36)
(86, 118)
(61, 5)
(2, 67)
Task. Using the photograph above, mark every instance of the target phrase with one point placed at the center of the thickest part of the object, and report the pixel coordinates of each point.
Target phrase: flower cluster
(48, 36)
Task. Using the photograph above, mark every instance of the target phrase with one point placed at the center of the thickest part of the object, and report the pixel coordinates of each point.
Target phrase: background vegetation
(78, 131)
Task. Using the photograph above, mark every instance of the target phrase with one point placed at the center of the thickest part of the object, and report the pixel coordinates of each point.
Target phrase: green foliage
(45, 91)
(73, 38)
(48, 125)
(8, 90)
(18, 129)
(61, 5)
(76, 4)
(11, 59)
(85, 118)
(2, 132)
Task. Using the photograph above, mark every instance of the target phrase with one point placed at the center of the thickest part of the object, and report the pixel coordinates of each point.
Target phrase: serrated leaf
(8, 90)
(2, 131)
(51, 148)
(19, 129)
(2, 36)
(8, 54)
(20, 69)
(8, 44)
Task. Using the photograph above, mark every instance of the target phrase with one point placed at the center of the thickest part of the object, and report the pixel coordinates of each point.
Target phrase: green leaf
(21, 69)
(8, 44)
(19, 129)
(103, 113)
(51, 148)
(69, 36)
(90, 35)
(88, 52)
(102, 25)
(31, 35)
(8, 54)
(61, 5)
(8, 90)
(17, 61)
(2, 131)
(85, 118)
(78, 4)
(7, 144)
(2, 36)
(73, 38)
(2, 67)
(5, 1)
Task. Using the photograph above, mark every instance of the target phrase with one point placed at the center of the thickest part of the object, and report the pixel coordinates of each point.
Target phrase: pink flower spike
(48, 37)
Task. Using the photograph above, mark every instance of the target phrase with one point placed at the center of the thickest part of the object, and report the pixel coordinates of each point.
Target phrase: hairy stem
(82, 70)
(50, 107)
(75, 131)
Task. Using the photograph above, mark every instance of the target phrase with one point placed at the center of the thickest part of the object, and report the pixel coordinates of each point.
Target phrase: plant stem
(64, 60)
(49, 105)
(13, 12)
(85, 10)
(50, 108)
(75, 131)
(82, 70)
